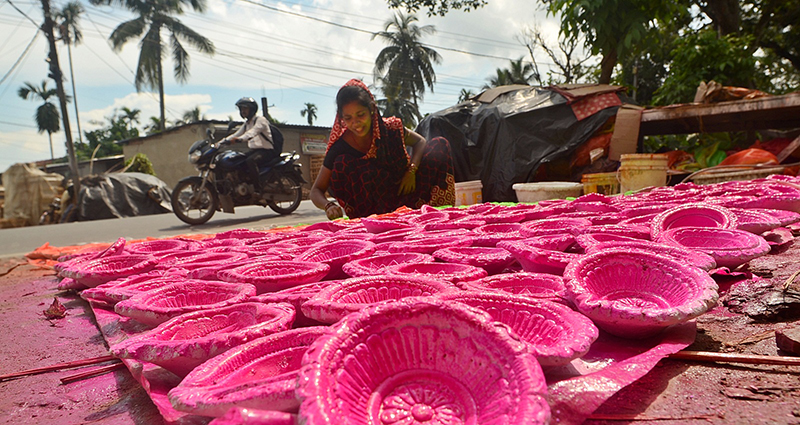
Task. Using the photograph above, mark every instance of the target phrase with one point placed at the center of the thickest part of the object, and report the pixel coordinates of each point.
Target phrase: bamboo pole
(92, 373)
(708, 356)
(58, 366)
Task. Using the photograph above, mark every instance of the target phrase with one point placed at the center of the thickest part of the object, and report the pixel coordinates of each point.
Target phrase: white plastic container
(541, 191)
(469, 193)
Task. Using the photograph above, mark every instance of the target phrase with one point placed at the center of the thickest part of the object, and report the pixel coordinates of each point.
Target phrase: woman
(367, 167)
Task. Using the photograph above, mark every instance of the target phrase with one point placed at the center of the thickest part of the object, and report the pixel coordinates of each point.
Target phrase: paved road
(19, 241)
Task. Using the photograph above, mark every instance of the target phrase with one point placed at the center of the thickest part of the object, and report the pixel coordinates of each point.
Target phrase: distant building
(168, 150)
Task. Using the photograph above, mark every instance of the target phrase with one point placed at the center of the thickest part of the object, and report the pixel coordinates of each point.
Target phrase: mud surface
(674, 392)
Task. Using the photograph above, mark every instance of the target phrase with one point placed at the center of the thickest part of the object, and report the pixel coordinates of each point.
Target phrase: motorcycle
(224, 182)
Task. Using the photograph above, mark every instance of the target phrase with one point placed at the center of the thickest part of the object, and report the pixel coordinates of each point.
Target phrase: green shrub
(139, 164)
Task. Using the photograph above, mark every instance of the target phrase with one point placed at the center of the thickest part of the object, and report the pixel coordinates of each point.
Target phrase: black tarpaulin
(504, 135)
(123, 195)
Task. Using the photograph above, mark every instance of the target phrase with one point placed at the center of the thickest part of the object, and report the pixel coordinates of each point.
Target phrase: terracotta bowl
(119, 290)
(352, 295)
(634, 294)
(628, 230)
(538, 260)
(376, 264)
(729, 247)
(72, 260)
(531, 285)
(259, 374)
(693, 215)
(449, 272)
(296, 296)
(493, 260)
(490, 234)
(270, 276)
(155, 307)
(683, 255)
(784, 217)
(336, 253)
(104, 269)
(421, 361)
(374, 225)
(554, 332)
(754, 221)
(186, 341)
(427, 245)
(590, 239)
(554, 242)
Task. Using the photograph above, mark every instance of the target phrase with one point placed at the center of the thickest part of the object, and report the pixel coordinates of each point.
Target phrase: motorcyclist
(258, 136)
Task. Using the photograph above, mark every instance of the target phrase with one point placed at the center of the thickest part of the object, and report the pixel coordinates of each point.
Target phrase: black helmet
(250, 103)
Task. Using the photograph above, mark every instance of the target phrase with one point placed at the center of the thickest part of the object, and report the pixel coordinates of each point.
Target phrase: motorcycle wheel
(288, 184)
(190, 204)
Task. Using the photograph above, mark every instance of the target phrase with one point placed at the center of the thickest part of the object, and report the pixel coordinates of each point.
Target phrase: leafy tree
(155, 125)
(310, 112)
(140, 163)
(153, 16)
(517, 73)
(47, 116)
(406, 63)
(434, 7)
(464, 95)
(67, 24)
(104, 140)
(567, 67)
(192, 115)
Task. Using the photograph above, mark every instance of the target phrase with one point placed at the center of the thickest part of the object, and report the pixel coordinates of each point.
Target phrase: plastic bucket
(603, 183)
(641, 170)
(535, 192)
(469, 193)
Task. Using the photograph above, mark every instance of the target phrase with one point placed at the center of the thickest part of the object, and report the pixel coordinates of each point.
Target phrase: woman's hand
(334, 211)
(408, 183)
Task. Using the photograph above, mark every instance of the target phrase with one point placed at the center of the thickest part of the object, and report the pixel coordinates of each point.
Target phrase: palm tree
(406, 61)
(520, 73)
(310, 112)
(156, 125)
(67, 24)
(47, 116)
(397, 105)
(465, 95)
(130, 116)
(502, 78)
(154, 16)
(193, 115)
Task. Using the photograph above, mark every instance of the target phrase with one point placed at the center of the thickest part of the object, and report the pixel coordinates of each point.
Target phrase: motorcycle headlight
(194, 157)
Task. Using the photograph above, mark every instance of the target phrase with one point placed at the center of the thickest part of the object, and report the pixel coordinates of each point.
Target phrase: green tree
(464, 95)
(103, 141)
(434, 7)
(67, 24)
(47, 116)
(310, 112)
(501, 78)
(192, 115)
(140, 163)
(395, 104)
(517, 73)
(155, 125)
(406, 62)
(153, 16)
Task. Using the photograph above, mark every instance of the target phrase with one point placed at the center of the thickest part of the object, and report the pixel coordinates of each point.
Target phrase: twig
(752, 338)
(67, 365)
(624, 417)
(11, 269)
(92, 373)
(709, 356)
(790, 280)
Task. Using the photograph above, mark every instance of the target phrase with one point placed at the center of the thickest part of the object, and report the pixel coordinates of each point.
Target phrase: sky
(292, 52)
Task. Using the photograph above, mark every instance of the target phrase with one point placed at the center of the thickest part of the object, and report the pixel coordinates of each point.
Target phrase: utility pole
(55, 73)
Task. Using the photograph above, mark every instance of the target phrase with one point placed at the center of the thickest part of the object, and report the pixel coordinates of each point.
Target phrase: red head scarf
(339, 127)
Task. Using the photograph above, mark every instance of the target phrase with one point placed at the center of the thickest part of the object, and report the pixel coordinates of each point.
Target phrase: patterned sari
(369, 184)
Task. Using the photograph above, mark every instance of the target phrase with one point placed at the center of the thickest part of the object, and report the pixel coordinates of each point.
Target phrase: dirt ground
(675, 392)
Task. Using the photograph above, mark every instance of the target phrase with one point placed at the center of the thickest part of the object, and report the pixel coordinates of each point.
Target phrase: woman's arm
(318, 198)
(418, 144)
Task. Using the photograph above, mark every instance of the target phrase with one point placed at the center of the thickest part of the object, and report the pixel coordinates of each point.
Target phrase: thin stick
(67, 365)
(709, 356)
(624, 417)
(92, 373)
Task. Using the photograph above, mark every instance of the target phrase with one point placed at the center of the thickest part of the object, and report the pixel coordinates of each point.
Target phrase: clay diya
(633, 293)
(376, 264)
(375, 225)
(490, 234)
(493, 260)
(429, 244)
(156, 246)
(421, 360)
(260, 374)
(101, 270)
(532, 285)
(186, 341)
(784, 217)
(554, 242)
(270, 276)
(754, 221)
(244, 415)
(729, 247)
(590, 239)
(550, 226)
(122, 289)
(628, 230)
(693, 215)
(554, 332)
(683, 255)
(449, 272)
(538, 260)
(337, 253)
(296, 296)
(73, 260)
(242, 234)
(155, 307)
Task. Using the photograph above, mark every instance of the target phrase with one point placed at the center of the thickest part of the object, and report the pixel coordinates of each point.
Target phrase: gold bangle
(330, 204)
(413, 168)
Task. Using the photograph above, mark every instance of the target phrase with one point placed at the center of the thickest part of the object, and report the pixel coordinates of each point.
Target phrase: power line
(22, 13)
(19, 59)
(17, 124)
